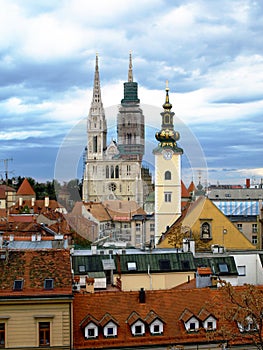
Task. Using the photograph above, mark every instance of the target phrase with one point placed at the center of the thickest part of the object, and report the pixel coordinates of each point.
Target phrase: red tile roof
(184, 191)
(124, 307)
(25, 188)
(191, 187)
(33, 267)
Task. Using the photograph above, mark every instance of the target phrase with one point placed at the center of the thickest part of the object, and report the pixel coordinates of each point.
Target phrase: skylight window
(131, 266)
(18, 284)
(82, 268)
(164, 265)
(223, 267)
(49, 283)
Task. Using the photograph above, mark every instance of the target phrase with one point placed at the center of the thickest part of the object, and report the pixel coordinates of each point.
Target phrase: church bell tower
(167, 172)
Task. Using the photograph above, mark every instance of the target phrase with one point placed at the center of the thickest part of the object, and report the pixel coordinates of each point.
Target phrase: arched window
(112, 172)
(205, 231)
(107, 172)
(117, 171)
(167, 175)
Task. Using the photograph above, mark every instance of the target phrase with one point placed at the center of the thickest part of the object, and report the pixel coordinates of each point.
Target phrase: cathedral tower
(130, 121)
(114, 171)
(167, 172)
(97, 127)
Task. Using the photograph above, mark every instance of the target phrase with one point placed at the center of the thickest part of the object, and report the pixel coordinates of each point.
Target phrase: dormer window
(138, 328)
(110, 330)
(248, 325)
(91, 331)
(156, 327)
(210, 324)
(18, 285)
(49, 283)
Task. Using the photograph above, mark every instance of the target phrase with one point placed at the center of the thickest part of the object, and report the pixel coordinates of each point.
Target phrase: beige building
(35, 299)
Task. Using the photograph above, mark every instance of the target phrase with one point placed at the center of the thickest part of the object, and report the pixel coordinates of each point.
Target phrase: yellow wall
(22, 323)
(204, 210)
(154, 281)
(167, 212)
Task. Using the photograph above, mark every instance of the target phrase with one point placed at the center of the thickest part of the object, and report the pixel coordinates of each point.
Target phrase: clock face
(167, 154)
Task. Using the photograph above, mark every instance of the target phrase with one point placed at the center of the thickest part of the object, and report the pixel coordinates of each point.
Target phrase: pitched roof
(25, 189)
(158, 262)
(32, 267)
(184, 191)
(191, 187)
(172, 307)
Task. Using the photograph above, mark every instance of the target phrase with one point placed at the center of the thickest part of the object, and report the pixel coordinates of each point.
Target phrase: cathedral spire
(130, 74)
(96, 100)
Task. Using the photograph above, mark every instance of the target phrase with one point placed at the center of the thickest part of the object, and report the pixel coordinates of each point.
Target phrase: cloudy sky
(210, 51)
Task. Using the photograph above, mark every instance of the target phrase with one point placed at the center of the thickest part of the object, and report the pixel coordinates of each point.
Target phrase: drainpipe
(151, 287)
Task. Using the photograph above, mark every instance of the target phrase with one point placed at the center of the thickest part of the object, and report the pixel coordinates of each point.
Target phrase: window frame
(168, 197)
(2, 335)
(46, 329)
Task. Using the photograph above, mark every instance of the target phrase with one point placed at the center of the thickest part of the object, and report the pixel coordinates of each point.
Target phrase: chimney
(247, 183)
(142, 296)
(46, 202)
(90, 285)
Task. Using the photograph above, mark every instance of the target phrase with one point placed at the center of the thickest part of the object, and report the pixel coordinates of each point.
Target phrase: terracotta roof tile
(25, 188)
(33, 267)
(184, 191)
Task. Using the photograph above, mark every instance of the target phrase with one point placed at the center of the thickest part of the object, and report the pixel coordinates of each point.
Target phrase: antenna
(6, 161)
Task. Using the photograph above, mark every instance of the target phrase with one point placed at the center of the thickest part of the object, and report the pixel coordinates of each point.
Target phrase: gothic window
(95, 144)
(112, 172)
(117, 171)
(167, 175)
(112, 186)
(128, 170)
(129, 139)
(205, 231)
(107, 172)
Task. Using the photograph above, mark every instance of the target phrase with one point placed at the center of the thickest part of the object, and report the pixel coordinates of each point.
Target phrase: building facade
(114, 171)
(167, 173)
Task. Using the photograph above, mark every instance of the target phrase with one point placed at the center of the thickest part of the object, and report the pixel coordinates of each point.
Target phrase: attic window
(49, 283)
(18, 284)
(165, 265)
(131, 266)
(185, 264)
(223, 267)
(82, 268)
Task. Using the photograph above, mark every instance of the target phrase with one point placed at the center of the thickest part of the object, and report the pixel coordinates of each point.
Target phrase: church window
(95, 144)
(129, 138)
(167, 196)
(117, 171)
(167, 175)
(112, 172)
(107, 172)
(112, 186)
(128, 170)
(167, 119)
(205, 231)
